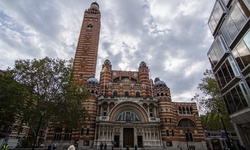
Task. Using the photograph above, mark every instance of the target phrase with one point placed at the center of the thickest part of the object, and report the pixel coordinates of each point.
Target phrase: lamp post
(42, 112)
(187, 138)
(224, 127)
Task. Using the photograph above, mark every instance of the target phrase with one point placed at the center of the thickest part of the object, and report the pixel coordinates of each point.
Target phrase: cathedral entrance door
(116, 140)
(139, 140)
(128, 137)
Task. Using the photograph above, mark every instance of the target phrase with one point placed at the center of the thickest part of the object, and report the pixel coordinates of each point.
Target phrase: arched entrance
(130, 116)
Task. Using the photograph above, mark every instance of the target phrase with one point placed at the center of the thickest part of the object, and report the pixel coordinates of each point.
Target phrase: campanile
(87, 48)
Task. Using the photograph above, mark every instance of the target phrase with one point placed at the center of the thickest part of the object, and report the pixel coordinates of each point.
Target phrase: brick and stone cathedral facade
(125, 107)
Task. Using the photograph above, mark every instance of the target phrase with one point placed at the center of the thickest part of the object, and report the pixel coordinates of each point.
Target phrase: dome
(92, 80)
(95, 4)
(107, 62)
(143, 64)
(157, 79)
(160, 83)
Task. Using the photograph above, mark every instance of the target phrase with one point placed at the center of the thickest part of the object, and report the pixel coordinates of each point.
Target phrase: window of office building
(242, 52)
(225, 73)
(217, 50)
(216, 15)
(234, 23)
(235, 99)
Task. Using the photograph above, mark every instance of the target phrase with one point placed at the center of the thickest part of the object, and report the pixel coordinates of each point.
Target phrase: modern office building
(125, 107)
(229, 56)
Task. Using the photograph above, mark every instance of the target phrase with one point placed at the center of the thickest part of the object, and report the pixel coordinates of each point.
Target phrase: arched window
(90, 26)
(126, 94)
(128, 116)
(115, 93)
(186, 123)
(137, 94)
(105, 108)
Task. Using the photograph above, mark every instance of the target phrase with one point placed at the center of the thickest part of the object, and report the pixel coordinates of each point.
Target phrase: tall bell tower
(87, 48)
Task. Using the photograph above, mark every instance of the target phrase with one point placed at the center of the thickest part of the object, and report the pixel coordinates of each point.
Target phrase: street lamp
(224, 127)
(42, 112)
(187, 138)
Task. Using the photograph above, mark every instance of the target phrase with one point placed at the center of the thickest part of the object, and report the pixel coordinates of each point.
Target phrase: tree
(210, 103)
(12, 94)
(49, 87)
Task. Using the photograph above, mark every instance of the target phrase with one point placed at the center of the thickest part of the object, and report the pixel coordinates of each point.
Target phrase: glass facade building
(229, 56)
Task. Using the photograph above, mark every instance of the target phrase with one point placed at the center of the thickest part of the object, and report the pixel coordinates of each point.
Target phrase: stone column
(135, 135)
(150, 135)
(148, 112)
(101, 110)
(108, 111)
(107, 132)
(121, 137)
(155, 112)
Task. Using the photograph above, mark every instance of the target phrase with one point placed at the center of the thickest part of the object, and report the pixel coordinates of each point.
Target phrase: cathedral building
(126, 108)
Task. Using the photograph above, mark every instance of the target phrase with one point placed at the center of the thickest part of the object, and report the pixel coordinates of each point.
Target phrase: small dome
(107, 62)
(143, 64)
(95, 4)
(92, 80)
(160, 83)
(157, 79)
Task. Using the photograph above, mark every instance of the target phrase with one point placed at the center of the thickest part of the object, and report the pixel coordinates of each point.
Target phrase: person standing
(136, 147)
(54, 146)
(105, 146)
(101, 146)
(49, 147)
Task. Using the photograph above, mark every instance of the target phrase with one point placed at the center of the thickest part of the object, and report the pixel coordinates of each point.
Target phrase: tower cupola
(95, 5)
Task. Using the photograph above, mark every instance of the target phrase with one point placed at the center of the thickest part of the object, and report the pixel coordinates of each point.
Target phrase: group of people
(53, 147)
(103, 146)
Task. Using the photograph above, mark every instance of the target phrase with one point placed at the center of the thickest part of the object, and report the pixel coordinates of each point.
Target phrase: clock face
(114, 73)
(135, 74)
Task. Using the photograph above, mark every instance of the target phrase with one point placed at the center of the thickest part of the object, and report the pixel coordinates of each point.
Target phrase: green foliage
(210, 103)
(12, 95)
(47, 90)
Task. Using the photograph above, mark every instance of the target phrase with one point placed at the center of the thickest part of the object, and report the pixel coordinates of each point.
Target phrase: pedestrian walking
(101, 146)
(54, 146)
(105, 146)
(49, 147)
(136, 147)
(71, 147)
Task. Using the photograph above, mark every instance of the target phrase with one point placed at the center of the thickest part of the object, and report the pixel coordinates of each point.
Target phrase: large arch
(186, 122)
(128, 106)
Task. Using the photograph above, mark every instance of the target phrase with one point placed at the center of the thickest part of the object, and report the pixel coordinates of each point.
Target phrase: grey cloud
(162, 38)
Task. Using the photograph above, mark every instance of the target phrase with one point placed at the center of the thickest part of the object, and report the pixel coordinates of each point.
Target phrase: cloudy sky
(171, 36)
